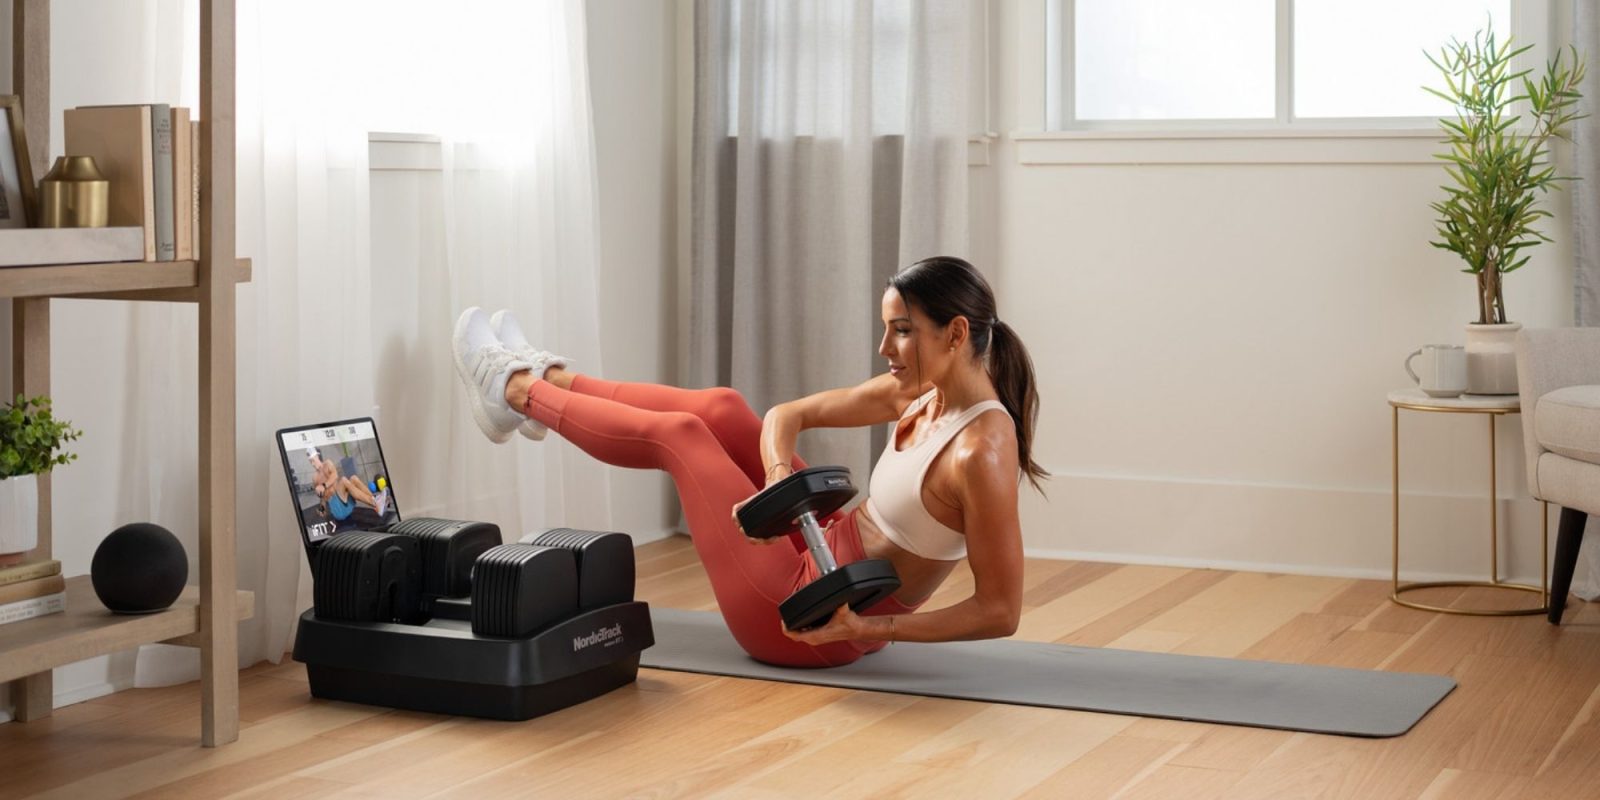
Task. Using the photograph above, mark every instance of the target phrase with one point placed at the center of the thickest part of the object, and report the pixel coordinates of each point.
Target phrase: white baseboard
(78, 694)
(652, 536)
(1408, 576)
(1288, 529)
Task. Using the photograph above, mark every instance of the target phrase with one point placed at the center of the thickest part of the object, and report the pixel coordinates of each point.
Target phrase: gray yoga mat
(1297, 697)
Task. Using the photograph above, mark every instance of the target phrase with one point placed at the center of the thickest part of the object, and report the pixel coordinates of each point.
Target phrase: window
(817, 63)
(1171, 64)
(814, 52)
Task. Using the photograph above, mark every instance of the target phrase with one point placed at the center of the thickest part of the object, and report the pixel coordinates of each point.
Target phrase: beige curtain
(829, 149)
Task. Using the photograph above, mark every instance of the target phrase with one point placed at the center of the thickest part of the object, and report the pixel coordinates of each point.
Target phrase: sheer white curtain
(1586, 224)
(521, 216)
(1586, 157)
(507, 84)
(829, 149)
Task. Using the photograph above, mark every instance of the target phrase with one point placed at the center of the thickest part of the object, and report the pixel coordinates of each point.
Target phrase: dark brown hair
(946, 287)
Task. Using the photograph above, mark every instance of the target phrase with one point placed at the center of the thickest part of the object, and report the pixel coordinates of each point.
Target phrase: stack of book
(31, 590)
(151, 156)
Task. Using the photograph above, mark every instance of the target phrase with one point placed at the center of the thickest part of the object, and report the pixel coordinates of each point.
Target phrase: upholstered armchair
(1559, 375)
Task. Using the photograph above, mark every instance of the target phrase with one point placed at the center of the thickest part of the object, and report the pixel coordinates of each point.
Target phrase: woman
(960, 390)
(339, 493)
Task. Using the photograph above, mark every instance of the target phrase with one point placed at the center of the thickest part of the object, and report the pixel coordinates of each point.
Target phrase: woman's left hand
(844, 625)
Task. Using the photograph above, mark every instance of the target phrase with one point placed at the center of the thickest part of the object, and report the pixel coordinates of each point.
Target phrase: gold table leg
(1543, 589)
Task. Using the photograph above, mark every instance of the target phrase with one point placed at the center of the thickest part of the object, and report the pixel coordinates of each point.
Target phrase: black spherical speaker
(139, 568)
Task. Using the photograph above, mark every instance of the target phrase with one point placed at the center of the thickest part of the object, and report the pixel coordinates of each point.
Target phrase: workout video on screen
(338, 479)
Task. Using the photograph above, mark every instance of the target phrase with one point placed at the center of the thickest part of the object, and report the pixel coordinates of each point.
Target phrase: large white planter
(1492, 358)
(19, 514)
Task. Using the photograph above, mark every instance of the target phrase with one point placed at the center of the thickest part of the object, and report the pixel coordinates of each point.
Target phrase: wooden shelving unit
(207, 616)
(86, 629)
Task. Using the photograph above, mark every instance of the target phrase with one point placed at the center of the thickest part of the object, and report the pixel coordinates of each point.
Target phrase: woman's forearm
(967, 620)
(779, 431)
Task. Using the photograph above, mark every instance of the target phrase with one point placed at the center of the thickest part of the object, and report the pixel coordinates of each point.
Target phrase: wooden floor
(1522, 723)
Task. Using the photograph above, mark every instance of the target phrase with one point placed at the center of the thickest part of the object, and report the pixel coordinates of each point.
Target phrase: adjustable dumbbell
(520, 588)
(604, 561)
(804, 497)
(448, 549)
(547, 577)
(368, 577)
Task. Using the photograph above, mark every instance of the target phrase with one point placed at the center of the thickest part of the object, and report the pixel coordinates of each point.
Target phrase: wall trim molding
(1358, 573)
(1305, 530)
(1282, 146)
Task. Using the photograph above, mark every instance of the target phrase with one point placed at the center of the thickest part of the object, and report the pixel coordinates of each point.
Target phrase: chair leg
(1568, 540)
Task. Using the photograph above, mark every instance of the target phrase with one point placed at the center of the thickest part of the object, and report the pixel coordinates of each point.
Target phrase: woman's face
(911, 342)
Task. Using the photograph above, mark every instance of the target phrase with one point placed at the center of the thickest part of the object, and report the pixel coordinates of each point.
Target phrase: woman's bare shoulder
(989, 439)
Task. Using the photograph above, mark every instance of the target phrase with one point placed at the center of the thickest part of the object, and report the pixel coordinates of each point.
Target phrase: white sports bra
(894, 492)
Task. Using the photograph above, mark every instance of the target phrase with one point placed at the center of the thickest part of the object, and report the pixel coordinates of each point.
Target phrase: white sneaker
(485, 366)
(505, 328)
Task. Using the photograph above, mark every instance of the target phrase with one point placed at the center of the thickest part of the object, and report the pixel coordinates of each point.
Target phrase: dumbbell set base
(442, 667)
(437, 615)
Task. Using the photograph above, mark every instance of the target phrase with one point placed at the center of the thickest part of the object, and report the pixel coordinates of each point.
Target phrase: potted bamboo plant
(1499, 168)
(31, 442)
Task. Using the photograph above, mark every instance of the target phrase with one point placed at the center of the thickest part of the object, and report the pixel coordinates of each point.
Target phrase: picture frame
(17, 206)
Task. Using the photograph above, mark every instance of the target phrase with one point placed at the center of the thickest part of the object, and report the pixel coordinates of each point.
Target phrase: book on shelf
(34, 597)
(119, 138)
(161, 177)
(28, 571)
(32, 589)
(182, 176)
(194, 189)
(147, 152)
(33, 607)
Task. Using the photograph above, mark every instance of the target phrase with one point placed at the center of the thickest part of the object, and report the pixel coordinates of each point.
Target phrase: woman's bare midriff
(919, 577)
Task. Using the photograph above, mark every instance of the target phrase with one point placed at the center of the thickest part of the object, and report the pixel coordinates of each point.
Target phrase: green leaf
(1497, 170)
(32, 439)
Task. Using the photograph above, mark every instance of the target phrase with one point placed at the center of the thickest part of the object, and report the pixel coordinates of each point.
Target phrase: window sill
(1283, 146)
(404, 152)
(411, 152)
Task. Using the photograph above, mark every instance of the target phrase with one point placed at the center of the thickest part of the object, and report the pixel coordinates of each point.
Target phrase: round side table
(1491, 406)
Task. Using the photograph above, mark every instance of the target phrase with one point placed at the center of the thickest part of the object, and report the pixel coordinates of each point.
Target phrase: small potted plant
(1499, 167)
(31, 442)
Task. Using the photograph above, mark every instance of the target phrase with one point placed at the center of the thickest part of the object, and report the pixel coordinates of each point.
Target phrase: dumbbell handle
(818, 546)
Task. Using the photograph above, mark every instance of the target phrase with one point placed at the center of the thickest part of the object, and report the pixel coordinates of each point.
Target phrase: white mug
(1444, 370)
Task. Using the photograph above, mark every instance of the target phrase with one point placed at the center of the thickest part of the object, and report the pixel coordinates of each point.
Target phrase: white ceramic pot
(19, 514)
(1492, 358)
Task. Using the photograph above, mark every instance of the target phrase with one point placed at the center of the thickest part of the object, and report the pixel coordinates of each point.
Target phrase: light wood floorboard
(1524, 722)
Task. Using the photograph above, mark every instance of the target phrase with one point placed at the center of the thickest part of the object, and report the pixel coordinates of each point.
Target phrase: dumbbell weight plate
(820, 490)
(859, 583)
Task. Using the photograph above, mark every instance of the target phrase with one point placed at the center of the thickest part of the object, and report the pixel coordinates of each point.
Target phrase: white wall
(1215, 342)
(633, 83)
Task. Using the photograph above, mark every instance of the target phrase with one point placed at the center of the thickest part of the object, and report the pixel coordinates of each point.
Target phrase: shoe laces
(489, 361)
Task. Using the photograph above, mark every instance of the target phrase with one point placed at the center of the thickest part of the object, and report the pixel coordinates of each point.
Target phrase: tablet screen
(337, 478)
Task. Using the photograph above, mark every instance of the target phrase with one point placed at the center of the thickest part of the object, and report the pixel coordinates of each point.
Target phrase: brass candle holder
(74, 194)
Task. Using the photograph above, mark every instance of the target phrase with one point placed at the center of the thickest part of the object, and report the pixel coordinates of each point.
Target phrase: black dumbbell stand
(441, 667)
(558, 623)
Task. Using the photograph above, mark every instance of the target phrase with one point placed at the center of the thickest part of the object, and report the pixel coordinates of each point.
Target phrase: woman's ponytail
(1012, 371)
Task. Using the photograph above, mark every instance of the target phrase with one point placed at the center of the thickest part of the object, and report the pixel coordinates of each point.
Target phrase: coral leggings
(708, 440)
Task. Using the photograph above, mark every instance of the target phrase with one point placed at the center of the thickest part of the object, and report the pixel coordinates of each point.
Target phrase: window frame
(1530, 24)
